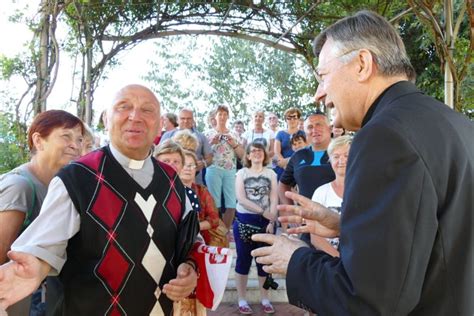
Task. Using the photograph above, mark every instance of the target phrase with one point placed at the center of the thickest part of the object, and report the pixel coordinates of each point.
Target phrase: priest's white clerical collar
(128, 162)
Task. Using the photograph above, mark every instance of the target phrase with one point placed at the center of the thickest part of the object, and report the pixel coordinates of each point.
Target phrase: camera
(224, 138)
(270, 283)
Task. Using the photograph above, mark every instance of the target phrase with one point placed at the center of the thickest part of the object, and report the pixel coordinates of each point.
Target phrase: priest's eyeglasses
(319, 75)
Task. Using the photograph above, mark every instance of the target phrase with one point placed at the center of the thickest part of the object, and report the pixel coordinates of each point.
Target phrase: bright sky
(14, 35)
(133, 65)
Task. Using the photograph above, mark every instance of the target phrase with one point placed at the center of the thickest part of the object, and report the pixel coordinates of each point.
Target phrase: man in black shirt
(309, 167)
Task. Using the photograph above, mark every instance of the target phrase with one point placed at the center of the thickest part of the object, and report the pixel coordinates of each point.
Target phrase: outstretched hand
(183, 285)
(277, 255)
(319, 220)
(20, 277)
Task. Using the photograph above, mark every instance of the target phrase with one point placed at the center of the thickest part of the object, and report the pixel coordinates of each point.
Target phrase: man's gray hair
(326, 119)
(187, 110)
(367, 29)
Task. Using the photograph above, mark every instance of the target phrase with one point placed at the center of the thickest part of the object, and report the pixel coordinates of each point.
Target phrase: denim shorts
(221, 181)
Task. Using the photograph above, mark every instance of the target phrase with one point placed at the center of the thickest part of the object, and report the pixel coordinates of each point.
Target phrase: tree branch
(468, 57)
(203, 32)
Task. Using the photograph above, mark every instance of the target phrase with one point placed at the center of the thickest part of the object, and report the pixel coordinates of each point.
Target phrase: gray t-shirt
(16, 191)
(257, 188)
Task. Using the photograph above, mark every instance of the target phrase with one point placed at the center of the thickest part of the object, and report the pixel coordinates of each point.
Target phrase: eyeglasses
(292, 117)
(256, 150)
(190, 166)
(319, 75)
(257, 191)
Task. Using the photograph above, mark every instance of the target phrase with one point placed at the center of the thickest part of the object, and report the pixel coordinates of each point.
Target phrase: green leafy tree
(14, 114)
(467, 93)
(238, 71)
(174, 74)
(12, 142)
(422, 53)
(100, 30)
(246, 76)
(449, 25)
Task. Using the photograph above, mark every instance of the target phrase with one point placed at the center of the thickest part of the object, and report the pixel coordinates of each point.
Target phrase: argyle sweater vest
(126, 244)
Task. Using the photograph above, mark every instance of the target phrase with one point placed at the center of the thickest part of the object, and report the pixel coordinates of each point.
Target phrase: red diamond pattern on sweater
(170, 171)
(107, 207)
(93, 159)
(115, 312)
(173, 205)
(113, 269)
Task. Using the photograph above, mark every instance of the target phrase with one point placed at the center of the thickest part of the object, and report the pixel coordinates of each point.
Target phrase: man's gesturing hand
(321, 220)
(277, 255)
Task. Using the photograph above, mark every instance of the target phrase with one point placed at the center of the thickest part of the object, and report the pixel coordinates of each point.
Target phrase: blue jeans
(244, 258)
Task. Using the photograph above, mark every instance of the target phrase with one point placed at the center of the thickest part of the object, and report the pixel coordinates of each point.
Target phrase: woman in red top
(213, 233)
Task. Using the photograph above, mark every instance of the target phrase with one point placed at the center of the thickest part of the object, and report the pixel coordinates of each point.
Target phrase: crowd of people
(222, 170)
(369, 222)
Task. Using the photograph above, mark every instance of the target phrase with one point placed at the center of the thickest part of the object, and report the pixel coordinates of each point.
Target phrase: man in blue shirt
(309, 167)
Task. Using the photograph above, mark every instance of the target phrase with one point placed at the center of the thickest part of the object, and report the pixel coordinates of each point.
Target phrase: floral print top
(224, 154)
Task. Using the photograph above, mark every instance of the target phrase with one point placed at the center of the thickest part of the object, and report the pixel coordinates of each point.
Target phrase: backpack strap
(29, 212)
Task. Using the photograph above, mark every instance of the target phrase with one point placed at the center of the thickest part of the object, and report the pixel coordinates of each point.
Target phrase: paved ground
(282, 309)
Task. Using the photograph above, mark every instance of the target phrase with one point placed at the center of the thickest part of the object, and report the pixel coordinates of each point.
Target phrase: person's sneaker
(268, 308)
(245, 309)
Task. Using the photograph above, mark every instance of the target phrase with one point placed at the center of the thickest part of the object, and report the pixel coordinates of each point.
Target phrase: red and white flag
(214, 266)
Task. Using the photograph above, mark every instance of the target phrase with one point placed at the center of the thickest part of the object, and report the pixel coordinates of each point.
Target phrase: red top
(208, 209)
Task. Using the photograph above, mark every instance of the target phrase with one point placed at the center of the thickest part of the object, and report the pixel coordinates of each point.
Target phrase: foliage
(466, 86)
(12, 143)
(452, 36)
(20, 65)
(174, 74)
(107, 28)
(286, 25)
(244, 75)
(422, 53)
(467, 93)
(238, 70)
(100, 30)
(9, 67)
(13, 115)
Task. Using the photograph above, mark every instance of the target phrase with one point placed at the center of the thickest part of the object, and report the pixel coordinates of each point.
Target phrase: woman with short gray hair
(330, 194)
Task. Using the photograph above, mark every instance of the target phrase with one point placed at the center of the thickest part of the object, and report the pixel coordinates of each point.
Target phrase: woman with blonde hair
(171, 153)
(186, 139)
